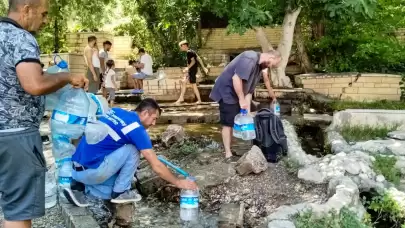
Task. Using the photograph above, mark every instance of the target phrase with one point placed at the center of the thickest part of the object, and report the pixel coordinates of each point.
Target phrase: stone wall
(352, 86)
(218, 38)
(121, 49)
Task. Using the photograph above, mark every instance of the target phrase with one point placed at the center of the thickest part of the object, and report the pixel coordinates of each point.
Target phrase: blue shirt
(246, 66)
(18, 109)
(124, 127)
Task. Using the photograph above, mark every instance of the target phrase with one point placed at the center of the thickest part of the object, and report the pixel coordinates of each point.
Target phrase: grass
(344, 219)
(385, 166)
(384, 104)
(364, 133)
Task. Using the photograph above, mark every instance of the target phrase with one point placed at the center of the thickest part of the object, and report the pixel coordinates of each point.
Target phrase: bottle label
(59, 163)
(64, 180)
(248, 127)
(189, 202)
(99, 111)
(236, 127)
(60, 138)
(68, 118)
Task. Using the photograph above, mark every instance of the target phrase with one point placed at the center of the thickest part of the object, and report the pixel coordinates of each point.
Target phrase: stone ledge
(344, 75)
(370, 117)
(77, 217)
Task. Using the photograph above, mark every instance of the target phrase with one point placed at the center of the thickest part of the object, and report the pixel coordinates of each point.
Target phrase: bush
(364, 133)
(386, 166)
(344, 219)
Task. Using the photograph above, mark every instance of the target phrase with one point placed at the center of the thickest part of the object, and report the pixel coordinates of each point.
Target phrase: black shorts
(22, 175)
(227, 113)
(192, 77)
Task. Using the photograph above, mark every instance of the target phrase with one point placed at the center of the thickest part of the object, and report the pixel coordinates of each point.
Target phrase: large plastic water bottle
(50, 188)
(247, 126)
(276, 107)
(52, 99)
(236, 127)
(189, 200)
(68, 122)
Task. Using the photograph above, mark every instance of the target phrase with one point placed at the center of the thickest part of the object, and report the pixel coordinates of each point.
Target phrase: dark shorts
(192, 77)
(227, 113)
(22, 175)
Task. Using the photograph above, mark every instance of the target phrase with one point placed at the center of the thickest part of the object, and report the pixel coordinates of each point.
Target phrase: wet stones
(252, 162)
(173, 134)
(231, 215)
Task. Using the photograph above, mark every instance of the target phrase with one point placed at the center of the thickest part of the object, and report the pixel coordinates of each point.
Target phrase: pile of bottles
(244, 126)
(72, 112)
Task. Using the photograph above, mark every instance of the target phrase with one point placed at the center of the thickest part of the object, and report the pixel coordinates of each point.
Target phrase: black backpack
(270, 137)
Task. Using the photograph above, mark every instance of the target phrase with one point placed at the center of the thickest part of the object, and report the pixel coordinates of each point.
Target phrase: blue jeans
(139, 75)
(115, 173)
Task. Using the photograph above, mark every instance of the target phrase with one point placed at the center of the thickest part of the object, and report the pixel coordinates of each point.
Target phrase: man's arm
(88, 55)
(37, 83)
(238, 86)
(267, 83)
(158, 167)
(191, 63)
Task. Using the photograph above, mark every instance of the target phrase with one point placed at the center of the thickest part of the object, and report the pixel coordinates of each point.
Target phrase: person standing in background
(190, 72)
(91, 57)
(233, 89)
(23, 84)
(104, 57)
(110, 81)
(145, 65)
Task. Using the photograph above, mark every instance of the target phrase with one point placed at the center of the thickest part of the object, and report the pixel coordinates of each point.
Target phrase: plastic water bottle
(50, 188)
(276, 107)
(236, 127)
(52, 99)
(98, 106)
(247, 126)
(68, 122)
(189, 200)
(95, 132)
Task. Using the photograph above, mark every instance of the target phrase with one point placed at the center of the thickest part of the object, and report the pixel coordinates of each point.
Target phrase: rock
(400, 135)
(281, 224)
(231, 215)
(152, 185)
(174, 133)
(312, 174)
(380, 178)
(295, 151)
(336, 141)
(287, 212)
(398, 197)
(252, 162)
(124, 214)
(389, 147)
(213, 174)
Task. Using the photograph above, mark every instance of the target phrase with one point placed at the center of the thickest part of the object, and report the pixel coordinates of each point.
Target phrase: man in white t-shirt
(104, 57)
(145, 65)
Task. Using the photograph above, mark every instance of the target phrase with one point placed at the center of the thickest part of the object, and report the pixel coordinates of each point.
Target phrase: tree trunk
(306, 64)
(290, 18)
(263, 41)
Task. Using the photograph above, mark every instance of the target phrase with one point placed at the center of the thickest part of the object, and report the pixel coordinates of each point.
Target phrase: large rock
(400, 135)
(295, 151)
(252, 162)
(389, 147)
(174, 133)
(336, 141)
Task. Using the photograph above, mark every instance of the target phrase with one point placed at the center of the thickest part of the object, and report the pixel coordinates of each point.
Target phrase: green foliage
(291, 165)
(362, 44)
(383, 104)
(344, 219)
(385, 166)
(385, 210)
(364, 133)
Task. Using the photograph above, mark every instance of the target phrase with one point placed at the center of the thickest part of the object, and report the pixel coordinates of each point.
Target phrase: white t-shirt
(109, 83)
(147, 61)
(104, 54)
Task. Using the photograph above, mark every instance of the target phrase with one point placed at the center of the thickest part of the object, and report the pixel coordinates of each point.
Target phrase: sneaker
(127, 197)
(75, 197)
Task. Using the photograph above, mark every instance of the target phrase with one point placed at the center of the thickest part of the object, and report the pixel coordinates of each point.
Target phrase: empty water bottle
(276, 107)
(236, 127)
(68, 122)
(247, 124)
(98, 106)
(189, 200)
(52, 99)
(95, 132)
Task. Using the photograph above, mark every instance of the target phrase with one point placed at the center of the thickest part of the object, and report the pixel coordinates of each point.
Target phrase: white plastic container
(189, 203)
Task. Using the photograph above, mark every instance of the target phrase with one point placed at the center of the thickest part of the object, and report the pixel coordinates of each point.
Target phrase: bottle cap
(243, 111)
(62, 64)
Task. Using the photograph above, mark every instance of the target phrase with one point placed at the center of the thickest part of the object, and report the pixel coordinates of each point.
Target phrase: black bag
(270, 137)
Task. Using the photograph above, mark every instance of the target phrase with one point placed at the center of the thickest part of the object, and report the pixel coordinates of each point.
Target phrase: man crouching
(107, 168)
